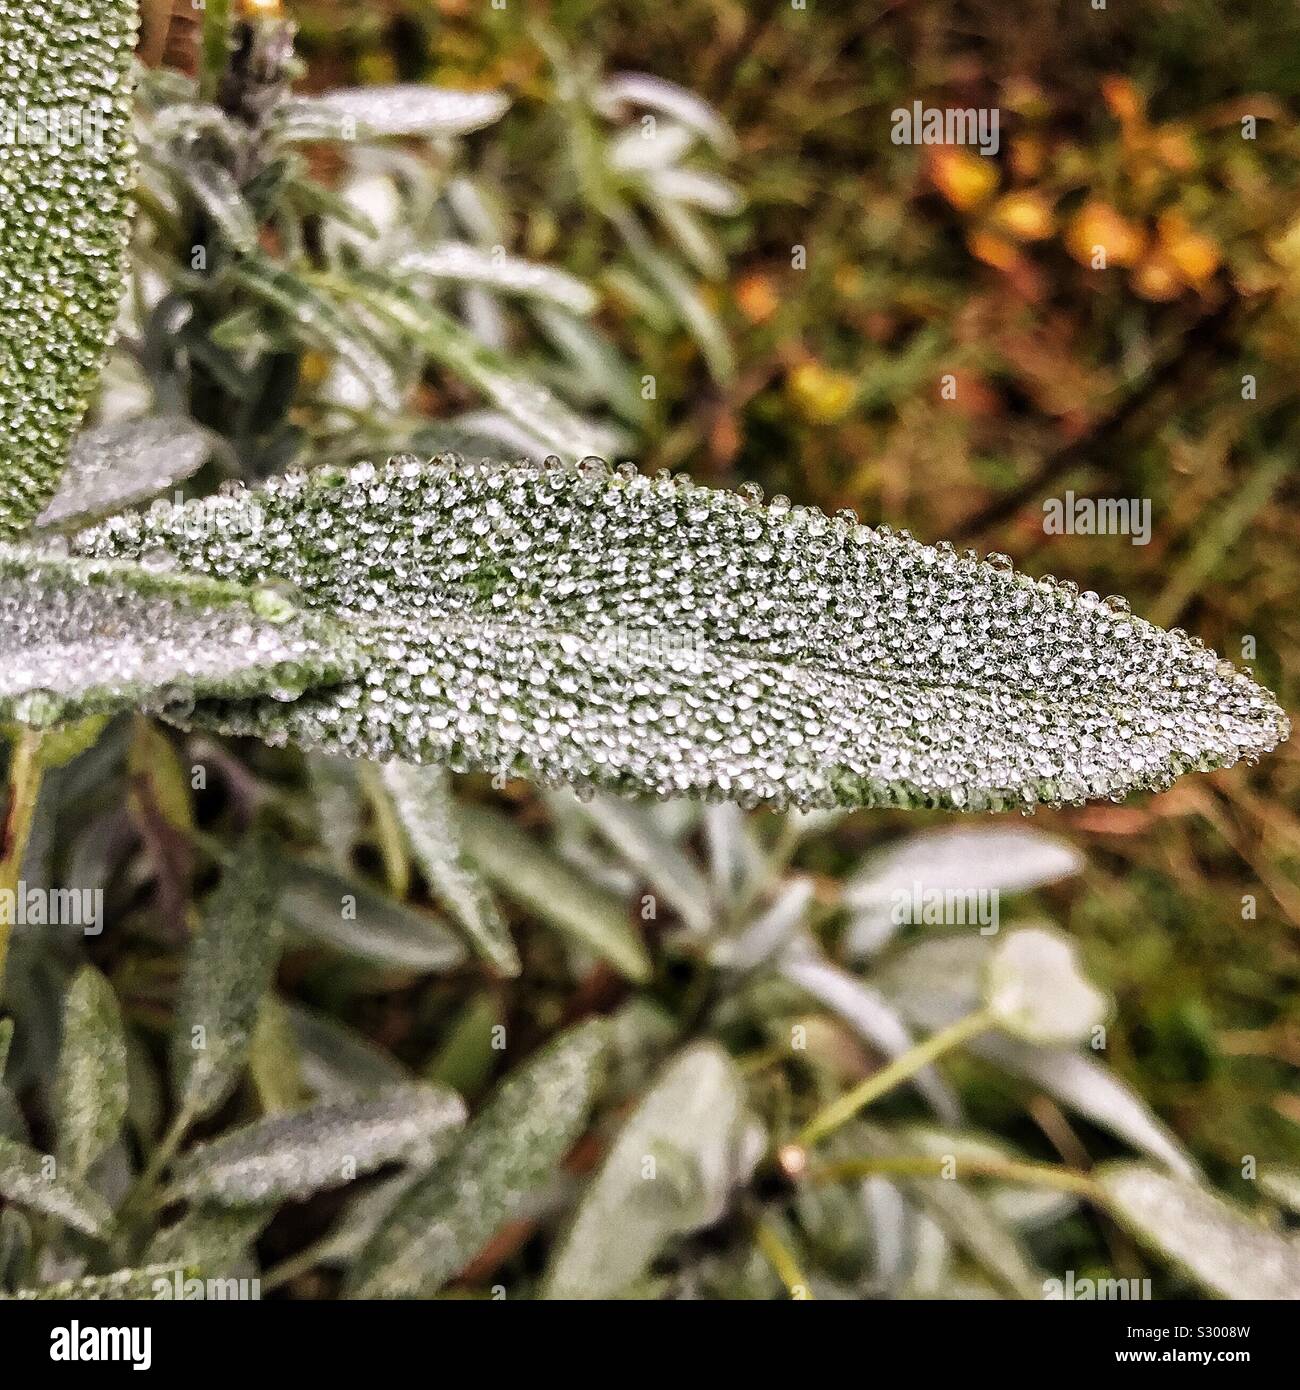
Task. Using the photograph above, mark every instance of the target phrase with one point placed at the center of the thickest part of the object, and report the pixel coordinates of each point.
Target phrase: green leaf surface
(287, 1157)
(669, 1172)
(24, 1181)
(422, 797)
(1212, 1241)
(658, 637)
(90, 1089)
(65, 210)
(229, 968)
(515, 1143)
(209, 1238)
(82, 637)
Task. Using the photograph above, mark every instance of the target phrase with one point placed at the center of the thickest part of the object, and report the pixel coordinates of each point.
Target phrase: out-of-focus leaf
(698, 189)
(15, 1248)
(128, 1285)
(529, 620)
(632, 832)
(734, 855)
(1282, 1185)
(210, 1239)
(423, 798)
(338, 807)
(1034, 986)
(352, 917)
(769, 933)
(466, 264)
(273, 1062)
(669, 1172)
(870, 1015)
(937, 982)
(641, 149)
(466, 1057)
(287, 1157)
(371, 112)
(65, 209)
(1213, 1242)
(960, 859)
(535, 879)
(222, 199)
(337, 1061)
(511, 1148)
(229, 968)
(628, 89)
(90, 1089)
(117, 465)
(24, 1181)
(82, 637)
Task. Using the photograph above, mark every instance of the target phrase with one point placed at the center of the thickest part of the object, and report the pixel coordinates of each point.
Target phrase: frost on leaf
(652, 636)
(65, 180)
(82, 637)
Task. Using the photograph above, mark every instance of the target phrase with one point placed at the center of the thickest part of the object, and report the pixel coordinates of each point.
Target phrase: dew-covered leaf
(123, 1285)
(65, 210)
(463, 263)
(670, 1171)
(957, 859)
(549, 888)
(1212, 1241)
(423, 799)
(33, 1181)
(509, 1150)
(372, 112)
(654, 636)
(90, 1088)
(287, 1157)
(117, 465)
(346, 913)
(228, 970)
(82, 637)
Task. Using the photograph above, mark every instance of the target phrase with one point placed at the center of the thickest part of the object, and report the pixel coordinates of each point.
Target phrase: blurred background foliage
(1120, 126)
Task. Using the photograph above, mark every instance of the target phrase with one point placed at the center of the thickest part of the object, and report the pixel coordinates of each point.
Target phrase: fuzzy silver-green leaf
(90, 1088)
(82, 637)
(288, 1157)
(33, 1180)
(65, 207)
(652, 636)
(511, 1148)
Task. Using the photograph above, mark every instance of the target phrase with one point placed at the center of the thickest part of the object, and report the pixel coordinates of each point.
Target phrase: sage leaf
(128, 1285)
(289, 1156)
(653, 636)
(514, 1144)
(229, 968)
(90, 1087)
(338, 1061)
(32, 1180)
(209, 1238)
(82, 637)
(670, 1171)
(423, 801)
(1212, 1241)
(115, 466)
(354, 918)
(535, 879)
(466, 264)
(65, 208)
(403, 109)
(631, 89)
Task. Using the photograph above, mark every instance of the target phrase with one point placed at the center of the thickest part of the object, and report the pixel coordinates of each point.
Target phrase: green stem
(841, 1111)
(782, 1259)
(140, 1199)
(293, 1266)
(25, 771)
(928, 1166)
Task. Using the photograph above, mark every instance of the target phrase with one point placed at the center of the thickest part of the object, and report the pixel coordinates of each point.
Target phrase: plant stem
(140, 1197)
(782, 1259)
(927, 1166)
(25, 771)
(839, 1112)
(293, 1266)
